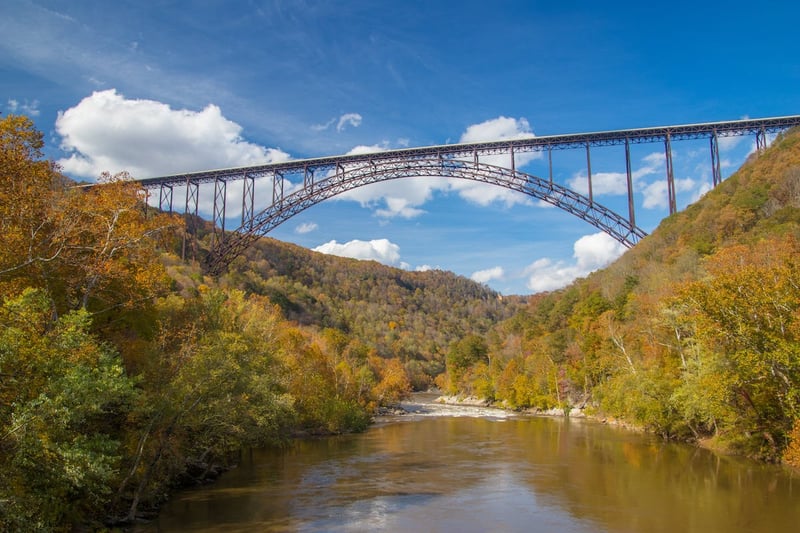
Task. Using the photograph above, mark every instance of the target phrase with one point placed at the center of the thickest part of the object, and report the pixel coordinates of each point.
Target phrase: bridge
(323, 178)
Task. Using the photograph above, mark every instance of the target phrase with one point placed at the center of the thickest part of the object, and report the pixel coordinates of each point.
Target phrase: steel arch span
(342, 179)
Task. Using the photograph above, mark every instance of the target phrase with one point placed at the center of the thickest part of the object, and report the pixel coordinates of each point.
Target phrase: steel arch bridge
(324, 178)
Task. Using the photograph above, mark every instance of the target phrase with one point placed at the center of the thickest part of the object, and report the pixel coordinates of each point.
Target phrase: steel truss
(376, 171)
(325, 177)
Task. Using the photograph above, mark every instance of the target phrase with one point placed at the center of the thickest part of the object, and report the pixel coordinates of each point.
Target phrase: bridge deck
(757, 127)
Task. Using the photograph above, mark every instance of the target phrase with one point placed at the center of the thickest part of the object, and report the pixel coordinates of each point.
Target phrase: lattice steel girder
(601, 217)
(248, 200)
(220, 200)
(759, 127)
(192, 197)
(165, 198)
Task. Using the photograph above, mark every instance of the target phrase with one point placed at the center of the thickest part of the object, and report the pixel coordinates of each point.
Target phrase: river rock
(463, 400)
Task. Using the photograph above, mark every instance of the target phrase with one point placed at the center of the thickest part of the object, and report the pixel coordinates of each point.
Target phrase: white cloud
(656, 195)
(306, 227)
(108, 132)
(729, 143)
(501, 129)
(362, 149)
(323, 127)
(485, 276)
(497, 129)
(353, 119)
(404, 198)
(395, 198)
(591, 252)
(616, 183)
(425, 268)
(30, 109)
(347, 119)
(381, 250)
(398, 207)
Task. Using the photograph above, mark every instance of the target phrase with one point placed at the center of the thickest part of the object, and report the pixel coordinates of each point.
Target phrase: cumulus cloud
(591, 252)
(496, 129)
(362, 149)
(485, 276)
(616, 183)
(306, 227)
(108, 132)
(395, 198)
(381, 250)
(729, 143)
(405, 198)
(656, 195)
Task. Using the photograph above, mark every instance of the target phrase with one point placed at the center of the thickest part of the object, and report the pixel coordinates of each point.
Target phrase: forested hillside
(125, 372)
(694, 333)
(415, 316)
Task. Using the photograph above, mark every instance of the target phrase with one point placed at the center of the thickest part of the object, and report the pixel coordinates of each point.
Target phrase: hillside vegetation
(415, 316)
(119, 381)
(125, 372)
(693, 334)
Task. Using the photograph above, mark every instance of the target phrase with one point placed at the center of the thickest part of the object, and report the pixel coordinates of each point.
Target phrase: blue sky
(162, 87)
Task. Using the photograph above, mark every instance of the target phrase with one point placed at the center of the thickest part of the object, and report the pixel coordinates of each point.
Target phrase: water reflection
(491, 473)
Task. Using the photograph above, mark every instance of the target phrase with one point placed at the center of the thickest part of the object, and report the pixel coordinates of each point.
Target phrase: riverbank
(556, 412)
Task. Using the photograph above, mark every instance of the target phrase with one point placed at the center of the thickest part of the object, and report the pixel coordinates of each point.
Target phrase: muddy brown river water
(461, 469)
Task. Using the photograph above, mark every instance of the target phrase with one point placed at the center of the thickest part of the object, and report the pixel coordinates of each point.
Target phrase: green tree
(747, 345)
(65, 397)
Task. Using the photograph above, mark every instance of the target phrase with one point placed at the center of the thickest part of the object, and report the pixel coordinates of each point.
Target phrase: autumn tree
(64, 397)
(29, 188)
(89, 247)
(747, 336)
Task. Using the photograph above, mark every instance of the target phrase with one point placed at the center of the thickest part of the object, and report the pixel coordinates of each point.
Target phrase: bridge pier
(672, 199)
(715, 165)
(589, 171)
(629, 176)
(220, 197)
(165, 198)
(190, 216)
(248, 200)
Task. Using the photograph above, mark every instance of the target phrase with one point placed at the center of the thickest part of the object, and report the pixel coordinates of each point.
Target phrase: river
(459, 469)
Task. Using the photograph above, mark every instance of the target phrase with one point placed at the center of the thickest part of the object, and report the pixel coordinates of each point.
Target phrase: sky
(163, 87)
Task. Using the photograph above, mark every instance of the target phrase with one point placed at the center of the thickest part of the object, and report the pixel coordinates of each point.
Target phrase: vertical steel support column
(308, 179)
(248, 199)
(165, 198)
(220, 197)
(715, 167)
(761, 140)
(550, 162)
(631, 214)
(146, 202)
(673, 202)
(475, 157)
(513, 163)
(277, 188)
(589, 171)
(192, 197)
(190, 215)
